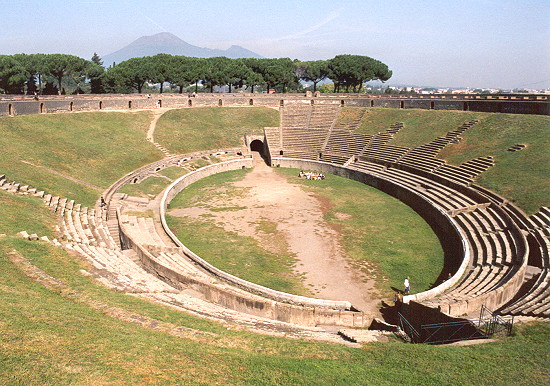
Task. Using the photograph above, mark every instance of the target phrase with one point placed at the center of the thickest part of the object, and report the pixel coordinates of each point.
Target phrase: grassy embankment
(189, 130)
(520, 176)
(74, 155)
(48, 338)
(56, 337)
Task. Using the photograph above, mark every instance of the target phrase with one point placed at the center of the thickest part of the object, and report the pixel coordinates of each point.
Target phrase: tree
(313, 71)
(279, 73)
(12, 75)
(354, 70)
(216, 72)
(238, 73)
(185, 72)
(132, 73)
(61, 65)
(161, 69)
(95, 73)
(97, 59)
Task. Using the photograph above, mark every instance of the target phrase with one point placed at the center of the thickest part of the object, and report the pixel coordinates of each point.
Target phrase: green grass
(420, 126)
(521, 176)
(96, 149)
(189, 130)
(383, 237)
(25, 213)
(46, 338)
(380, 232)
(173, 172)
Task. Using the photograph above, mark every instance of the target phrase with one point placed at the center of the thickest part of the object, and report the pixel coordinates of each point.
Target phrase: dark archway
(100, 105)
(251, 102)
(129, 104)
(10, 109)
(220, 102)
(42, 108)
(71, 106)
(258, 146)
(190, 103)
(401, 104)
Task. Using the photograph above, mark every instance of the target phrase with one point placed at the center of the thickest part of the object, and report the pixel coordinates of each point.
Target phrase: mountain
(167, 43)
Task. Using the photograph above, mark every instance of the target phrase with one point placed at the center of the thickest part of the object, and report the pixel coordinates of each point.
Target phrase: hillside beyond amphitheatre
(267, 256)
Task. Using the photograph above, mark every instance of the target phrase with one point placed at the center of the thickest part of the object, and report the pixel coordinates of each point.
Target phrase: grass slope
(94, 149)
(420, 126)
(189, 130)
(46, 338)
(522, 176)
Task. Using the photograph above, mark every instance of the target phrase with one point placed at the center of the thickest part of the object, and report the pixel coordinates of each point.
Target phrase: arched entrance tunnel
(259, 147)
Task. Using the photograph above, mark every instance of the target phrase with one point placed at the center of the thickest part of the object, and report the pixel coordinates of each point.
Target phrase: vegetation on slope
(521, 176)
(47, 337)
(420, 126)
(74, 155)
(52, 337)
(189, 130)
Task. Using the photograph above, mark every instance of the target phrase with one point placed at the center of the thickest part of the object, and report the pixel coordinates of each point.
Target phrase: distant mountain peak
(168, 43)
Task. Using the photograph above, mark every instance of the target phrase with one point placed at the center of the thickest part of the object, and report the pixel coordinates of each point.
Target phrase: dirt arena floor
(299, 217)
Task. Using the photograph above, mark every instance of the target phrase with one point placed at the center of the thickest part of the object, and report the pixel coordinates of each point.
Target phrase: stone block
(23, 234)
(33, 237)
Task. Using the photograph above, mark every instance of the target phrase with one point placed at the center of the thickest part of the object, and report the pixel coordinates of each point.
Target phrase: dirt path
(153, 125)
(300, 224)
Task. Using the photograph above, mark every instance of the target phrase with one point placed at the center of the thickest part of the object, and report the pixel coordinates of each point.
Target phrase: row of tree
(48, 73)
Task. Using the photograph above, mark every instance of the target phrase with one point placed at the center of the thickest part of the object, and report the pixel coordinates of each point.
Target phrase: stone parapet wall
(21, 105)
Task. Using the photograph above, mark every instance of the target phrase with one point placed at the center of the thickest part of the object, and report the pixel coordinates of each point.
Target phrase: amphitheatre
(166, 258)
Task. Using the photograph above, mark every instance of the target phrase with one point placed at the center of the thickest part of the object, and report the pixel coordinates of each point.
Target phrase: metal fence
(487, 326)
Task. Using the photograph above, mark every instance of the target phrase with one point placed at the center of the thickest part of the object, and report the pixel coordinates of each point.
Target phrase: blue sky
(462, 43)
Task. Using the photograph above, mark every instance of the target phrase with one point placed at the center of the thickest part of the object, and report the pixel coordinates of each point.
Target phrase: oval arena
(498, 256)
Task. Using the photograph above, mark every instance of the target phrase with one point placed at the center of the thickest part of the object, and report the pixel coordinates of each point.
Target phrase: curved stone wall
(180, 184)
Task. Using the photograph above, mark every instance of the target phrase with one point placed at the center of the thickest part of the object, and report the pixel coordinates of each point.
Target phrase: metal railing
(487, 326)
